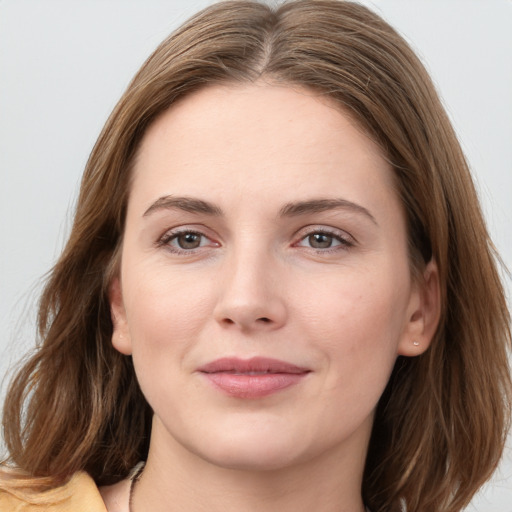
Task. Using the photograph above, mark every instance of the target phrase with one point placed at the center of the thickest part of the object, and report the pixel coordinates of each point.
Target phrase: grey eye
(320, 240)
(188, 240)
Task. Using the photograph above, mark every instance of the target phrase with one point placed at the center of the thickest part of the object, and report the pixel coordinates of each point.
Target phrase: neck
(176, 479)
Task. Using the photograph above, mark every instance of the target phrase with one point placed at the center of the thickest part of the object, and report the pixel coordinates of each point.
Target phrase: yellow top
(80, 494)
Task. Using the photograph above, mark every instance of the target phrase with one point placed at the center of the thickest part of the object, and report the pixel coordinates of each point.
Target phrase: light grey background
(64, 64)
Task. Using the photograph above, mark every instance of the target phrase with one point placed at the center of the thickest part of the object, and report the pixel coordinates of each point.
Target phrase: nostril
(264, 319)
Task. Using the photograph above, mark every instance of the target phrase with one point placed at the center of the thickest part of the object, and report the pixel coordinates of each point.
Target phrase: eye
(188, 240)
(185, 241)
(323, 240)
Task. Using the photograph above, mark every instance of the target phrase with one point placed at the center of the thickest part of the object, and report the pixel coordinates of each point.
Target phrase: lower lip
(253, 386)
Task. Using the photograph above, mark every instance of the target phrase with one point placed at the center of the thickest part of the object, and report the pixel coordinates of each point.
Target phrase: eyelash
(345, 241)
(170, 236)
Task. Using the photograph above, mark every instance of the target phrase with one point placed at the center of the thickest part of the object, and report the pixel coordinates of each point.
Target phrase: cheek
(357, 321)
(166, 310)
(353, 306)
(166, 314)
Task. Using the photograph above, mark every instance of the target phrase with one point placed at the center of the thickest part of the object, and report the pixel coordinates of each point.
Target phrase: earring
(416, 343)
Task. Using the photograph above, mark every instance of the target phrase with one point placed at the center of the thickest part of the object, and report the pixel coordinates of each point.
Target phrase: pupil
(189, 241)
(320, 241)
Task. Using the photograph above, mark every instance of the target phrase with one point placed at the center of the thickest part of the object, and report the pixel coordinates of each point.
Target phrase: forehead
(255, 139)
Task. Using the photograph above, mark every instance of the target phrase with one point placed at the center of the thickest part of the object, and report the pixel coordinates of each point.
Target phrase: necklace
(135, 475)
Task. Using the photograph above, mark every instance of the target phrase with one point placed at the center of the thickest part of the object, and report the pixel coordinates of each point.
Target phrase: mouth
(252, 378)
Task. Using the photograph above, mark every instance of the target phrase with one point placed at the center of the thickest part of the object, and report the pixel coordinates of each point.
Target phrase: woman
(278, 291)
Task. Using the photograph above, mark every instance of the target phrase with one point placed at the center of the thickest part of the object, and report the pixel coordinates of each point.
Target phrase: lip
(252, 378)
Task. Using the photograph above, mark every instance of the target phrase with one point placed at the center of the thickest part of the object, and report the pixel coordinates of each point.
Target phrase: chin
(258, 459)
(251, 451)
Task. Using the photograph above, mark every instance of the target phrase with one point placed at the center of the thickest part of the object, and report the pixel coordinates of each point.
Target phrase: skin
(260, 284)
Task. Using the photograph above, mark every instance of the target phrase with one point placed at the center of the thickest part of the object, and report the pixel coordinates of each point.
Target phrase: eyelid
(346, 239)
(172, 233)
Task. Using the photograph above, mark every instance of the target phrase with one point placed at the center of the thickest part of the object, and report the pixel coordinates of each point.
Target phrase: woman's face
(265, 289)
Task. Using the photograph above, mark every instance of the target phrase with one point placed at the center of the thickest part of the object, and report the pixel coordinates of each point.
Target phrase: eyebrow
(323, 205)
(187, 204)
(295, 209)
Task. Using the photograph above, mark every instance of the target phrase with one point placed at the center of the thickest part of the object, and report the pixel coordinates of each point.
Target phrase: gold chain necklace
(136, 474)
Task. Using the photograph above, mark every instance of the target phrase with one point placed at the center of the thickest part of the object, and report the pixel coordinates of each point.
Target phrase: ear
(423, 314)
(120, 334)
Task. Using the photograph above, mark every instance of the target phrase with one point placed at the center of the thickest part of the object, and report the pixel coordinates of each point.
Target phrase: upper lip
(252, 365)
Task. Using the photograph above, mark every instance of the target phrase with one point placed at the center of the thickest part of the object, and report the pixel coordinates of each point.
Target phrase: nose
(251, 294)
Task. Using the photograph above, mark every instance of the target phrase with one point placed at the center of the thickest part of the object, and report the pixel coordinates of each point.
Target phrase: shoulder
(80, 494)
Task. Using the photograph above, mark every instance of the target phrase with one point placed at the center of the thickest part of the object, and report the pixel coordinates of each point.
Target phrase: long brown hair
(440, 426)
